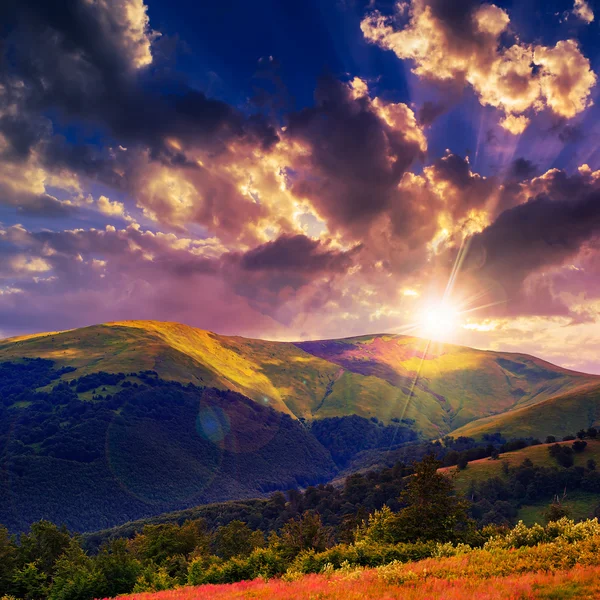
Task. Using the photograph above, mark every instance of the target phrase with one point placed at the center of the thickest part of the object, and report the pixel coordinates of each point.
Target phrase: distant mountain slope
(466, 384)
(149, 447)
(440, 387)
(561, 414)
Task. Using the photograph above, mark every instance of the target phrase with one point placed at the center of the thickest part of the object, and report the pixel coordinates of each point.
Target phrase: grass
(485, 468)
(559, 415)
(577, 583)
(370, 376)
(580, 505)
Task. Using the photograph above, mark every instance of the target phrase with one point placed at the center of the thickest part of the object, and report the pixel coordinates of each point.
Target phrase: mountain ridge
(440, 387)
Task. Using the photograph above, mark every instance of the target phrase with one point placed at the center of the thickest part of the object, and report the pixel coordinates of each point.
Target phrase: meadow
(524, 563)
(580, 582)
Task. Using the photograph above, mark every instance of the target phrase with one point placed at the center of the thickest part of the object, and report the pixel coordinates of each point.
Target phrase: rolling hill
(580, 504)
(560, 415)
(127, 420)
(438, 387)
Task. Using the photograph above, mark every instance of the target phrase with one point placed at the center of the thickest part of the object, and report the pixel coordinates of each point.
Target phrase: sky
(302, 170)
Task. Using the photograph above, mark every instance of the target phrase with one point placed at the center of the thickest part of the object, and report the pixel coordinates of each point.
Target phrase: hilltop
(438, 388)
(128, 420)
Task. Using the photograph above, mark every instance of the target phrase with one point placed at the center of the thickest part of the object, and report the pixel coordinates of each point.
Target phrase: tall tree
(433, 511)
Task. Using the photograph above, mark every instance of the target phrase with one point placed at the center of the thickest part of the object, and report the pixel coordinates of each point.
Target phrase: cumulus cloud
(353, 152)
(111, 208)
(25, 185)
(463, 42)
(524, 248)
(583, 11)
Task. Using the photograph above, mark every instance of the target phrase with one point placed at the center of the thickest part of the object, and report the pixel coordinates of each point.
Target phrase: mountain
(561, 414)
(438, 387)
(150, 447)
(122, 421)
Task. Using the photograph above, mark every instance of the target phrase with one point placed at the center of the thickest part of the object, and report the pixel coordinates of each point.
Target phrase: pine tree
(433, 511)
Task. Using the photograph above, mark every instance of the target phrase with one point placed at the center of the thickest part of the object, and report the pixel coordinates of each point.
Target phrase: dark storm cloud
(356, 158)
(288, 275)
(91, 60)
(522, 168)
(541, 234)
(296, 253)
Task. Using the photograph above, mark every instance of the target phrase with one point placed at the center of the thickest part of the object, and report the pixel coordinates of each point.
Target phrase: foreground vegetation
(579, 582)
(430, 538)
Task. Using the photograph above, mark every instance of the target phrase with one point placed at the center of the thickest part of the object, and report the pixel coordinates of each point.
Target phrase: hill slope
(151, 447)
(559, 415)
(440, 387)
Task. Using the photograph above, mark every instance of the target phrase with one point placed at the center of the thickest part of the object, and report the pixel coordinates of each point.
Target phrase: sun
(438, 321)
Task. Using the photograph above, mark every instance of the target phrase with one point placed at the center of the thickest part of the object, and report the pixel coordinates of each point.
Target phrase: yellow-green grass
(581, 505)
(560, 415)
(371, 376)
(486, 468)
(467, 384)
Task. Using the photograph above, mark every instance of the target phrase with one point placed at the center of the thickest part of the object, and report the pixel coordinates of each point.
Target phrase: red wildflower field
(579, 582)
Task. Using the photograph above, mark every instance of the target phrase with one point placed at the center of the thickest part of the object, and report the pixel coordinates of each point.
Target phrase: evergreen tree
(433, 511)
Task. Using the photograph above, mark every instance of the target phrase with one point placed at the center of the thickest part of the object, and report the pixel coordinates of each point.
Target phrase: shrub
(154, 579)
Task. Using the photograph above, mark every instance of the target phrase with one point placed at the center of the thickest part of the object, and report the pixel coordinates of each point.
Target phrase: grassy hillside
(480, 470)
(558, 415)
(440, 387)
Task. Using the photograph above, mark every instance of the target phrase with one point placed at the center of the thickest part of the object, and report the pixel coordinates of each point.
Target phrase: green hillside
(485, 468)
(580, 504)
(440, 387)
(559, 415)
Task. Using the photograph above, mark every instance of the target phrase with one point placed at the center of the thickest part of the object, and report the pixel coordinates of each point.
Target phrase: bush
(361, 554)
(154, 579)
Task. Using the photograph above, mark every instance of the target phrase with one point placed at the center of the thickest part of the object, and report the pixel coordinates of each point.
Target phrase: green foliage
(563, 454)
(381, 527)
(8, 560)
(119, 568)
(159, 542)
(76, 576)
(306, 532)
(363, 553)
(29, 582)
(236, 539)
(433, 510)
(44, 545)
(154, 578)
(97, 460)
(555, 512)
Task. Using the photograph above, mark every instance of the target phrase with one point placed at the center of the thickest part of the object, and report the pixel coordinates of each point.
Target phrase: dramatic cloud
(354, 152)
(463, 42)
(523, 246)
(126, 192)
(88, 59)
(148, 272)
